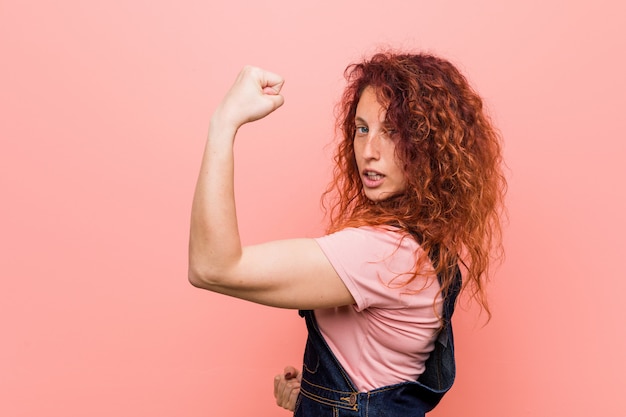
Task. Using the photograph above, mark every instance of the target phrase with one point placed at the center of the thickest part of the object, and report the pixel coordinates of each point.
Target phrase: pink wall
(103, 113)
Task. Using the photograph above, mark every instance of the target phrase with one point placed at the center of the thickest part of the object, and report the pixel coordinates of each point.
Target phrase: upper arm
(286, 273)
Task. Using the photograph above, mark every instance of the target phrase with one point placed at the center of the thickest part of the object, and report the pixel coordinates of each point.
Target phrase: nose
(371, 148)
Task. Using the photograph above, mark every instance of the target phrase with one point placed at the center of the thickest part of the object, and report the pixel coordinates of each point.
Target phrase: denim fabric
(327, 391)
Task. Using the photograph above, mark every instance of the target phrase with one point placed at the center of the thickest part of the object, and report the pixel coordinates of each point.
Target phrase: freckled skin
(374, 150)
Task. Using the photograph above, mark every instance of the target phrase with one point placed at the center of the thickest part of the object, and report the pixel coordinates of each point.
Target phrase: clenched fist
(254, 95)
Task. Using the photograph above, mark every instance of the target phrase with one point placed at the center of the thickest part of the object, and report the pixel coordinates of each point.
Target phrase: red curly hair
(451, 156)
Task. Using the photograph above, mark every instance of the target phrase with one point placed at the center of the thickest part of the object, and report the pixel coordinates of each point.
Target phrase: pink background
(104, 107)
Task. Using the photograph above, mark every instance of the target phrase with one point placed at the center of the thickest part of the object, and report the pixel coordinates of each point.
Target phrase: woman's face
(374, 150)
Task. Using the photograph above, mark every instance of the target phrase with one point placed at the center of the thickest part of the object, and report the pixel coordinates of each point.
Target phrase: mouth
(372, 175)
(372, 179)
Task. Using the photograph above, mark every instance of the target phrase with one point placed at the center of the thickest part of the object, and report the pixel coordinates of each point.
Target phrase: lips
(372, 179)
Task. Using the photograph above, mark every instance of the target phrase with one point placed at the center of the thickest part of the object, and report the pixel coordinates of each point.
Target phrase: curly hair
(451, 156)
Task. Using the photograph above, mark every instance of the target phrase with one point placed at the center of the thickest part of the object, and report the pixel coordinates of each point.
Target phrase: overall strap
(440, 367)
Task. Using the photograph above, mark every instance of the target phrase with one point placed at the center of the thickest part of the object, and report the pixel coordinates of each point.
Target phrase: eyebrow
(386, 125)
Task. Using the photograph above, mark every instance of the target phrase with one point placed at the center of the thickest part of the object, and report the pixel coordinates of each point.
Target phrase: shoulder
(381, 237)
(373, 262)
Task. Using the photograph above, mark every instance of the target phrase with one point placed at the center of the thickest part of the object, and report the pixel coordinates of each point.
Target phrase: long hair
(451, 156)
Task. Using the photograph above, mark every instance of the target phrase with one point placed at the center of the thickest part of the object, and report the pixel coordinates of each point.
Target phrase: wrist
(221, 129)
(223, 119)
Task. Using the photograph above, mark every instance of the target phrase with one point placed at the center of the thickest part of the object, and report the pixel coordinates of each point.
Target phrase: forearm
(214, 241)
(214, 244)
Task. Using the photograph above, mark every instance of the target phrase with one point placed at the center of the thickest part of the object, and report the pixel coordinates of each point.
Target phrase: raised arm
(288, 273)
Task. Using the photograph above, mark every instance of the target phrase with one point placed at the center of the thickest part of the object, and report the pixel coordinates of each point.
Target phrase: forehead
(369, 106)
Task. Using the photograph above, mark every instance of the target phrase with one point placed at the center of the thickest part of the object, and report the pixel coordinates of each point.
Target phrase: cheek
(400, 175)
(397, 163)
(403, 183)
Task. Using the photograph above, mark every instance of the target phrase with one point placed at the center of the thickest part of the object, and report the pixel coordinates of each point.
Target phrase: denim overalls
(327, 391)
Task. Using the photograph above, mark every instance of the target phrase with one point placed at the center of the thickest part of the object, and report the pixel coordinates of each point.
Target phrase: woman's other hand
(287, 388)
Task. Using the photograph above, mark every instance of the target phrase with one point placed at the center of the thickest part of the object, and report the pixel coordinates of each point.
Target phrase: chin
(381, 196)
(378, 196)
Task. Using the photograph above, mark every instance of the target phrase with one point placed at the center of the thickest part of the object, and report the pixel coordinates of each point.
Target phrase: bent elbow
(206, 279)
(195, 279)
(200, 279)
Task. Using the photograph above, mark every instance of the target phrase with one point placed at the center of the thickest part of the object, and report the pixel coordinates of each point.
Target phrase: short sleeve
(375, 264)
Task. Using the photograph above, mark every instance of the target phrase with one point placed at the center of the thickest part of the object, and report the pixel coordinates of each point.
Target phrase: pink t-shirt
(386, 337)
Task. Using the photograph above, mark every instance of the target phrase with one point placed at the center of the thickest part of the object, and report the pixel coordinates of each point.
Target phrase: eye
(390, 132)
(362, 130)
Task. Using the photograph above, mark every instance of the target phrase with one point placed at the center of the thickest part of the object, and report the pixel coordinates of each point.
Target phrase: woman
(416, 193)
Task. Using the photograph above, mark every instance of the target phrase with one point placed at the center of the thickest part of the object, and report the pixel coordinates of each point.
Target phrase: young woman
(416, 194)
